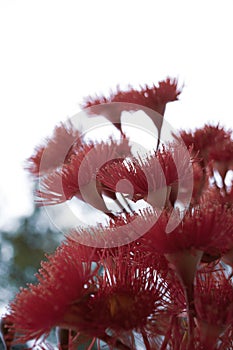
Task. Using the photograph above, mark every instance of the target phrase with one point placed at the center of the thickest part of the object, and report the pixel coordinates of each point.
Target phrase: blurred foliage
(22, 251)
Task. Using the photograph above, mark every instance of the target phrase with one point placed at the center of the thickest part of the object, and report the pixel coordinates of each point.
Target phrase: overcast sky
(53, 53)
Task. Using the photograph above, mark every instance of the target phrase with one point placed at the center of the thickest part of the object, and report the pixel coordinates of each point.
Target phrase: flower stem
(185, 264)
(145, 339)
(167, 336)
(116, 343)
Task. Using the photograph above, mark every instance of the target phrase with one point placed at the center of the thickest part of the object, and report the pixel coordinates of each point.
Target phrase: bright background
(53, 53)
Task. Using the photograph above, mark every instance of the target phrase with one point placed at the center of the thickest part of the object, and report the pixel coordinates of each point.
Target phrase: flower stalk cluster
(156, 274)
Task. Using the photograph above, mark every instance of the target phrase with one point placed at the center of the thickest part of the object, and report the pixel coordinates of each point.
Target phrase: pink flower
(104, 303)
(56, 151)
(221, 158)
(153, 99)
(203, 140)
(63, 280)
(214, 306)
(204, 227)
(144, 178)
(78, 177)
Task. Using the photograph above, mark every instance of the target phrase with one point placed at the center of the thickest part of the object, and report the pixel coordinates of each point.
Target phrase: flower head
(63, 280)
(214, 298)
(78, 177)
(221, 158)
(153, 97)
(204, 139)
(56, 151)
(144, 178)
(128, 294)
(213, 305)
(104, 303)
(204, 228)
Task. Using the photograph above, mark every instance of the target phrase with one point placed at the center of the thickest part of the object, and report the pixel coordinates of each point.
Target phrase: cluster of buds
(157, 273)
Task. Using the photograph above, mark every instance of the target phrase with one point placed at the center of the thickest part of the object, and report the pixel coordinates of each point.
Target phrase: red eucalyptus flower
(78, 177)
(56, 151)
(64, 279)
(204, 139)
(145, 178)
(218, 196)
(116, 233)
(221, 158)
(71, 295)
(128, 293)
(214, 307)
(207, 228)
(222, 153)
(203, 229)
(127, 298)
(153, 99)
(222, 198)
(62, 183)
(213, 146)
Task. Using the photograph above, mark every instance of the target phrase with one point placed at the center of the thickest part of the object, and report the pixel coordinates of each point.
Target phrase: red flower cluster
(148, 176)
(120, 294)
(154, 275)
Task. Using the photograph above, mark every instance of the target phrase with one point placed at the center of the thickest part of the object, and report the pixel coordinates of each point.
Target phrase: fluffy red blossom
(222, 198)
(78, 177)
(143, 178)
(120, 232)
(127, 296)
(71, 295)
(222, 153)
(203, 228)
(213, 298)
(63, 279)
(56, 151)
(147, 278)
(221, 158)
(218, 196)
(120, 176)
(214, 148)
(153, 97)
(62, 184)
(214, 306)
(117, 233)
(128, 293)
(204, 139)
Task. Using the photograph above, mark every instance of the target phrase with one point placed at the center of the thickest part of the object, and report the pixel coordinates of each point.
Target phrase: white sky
(53, 53)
